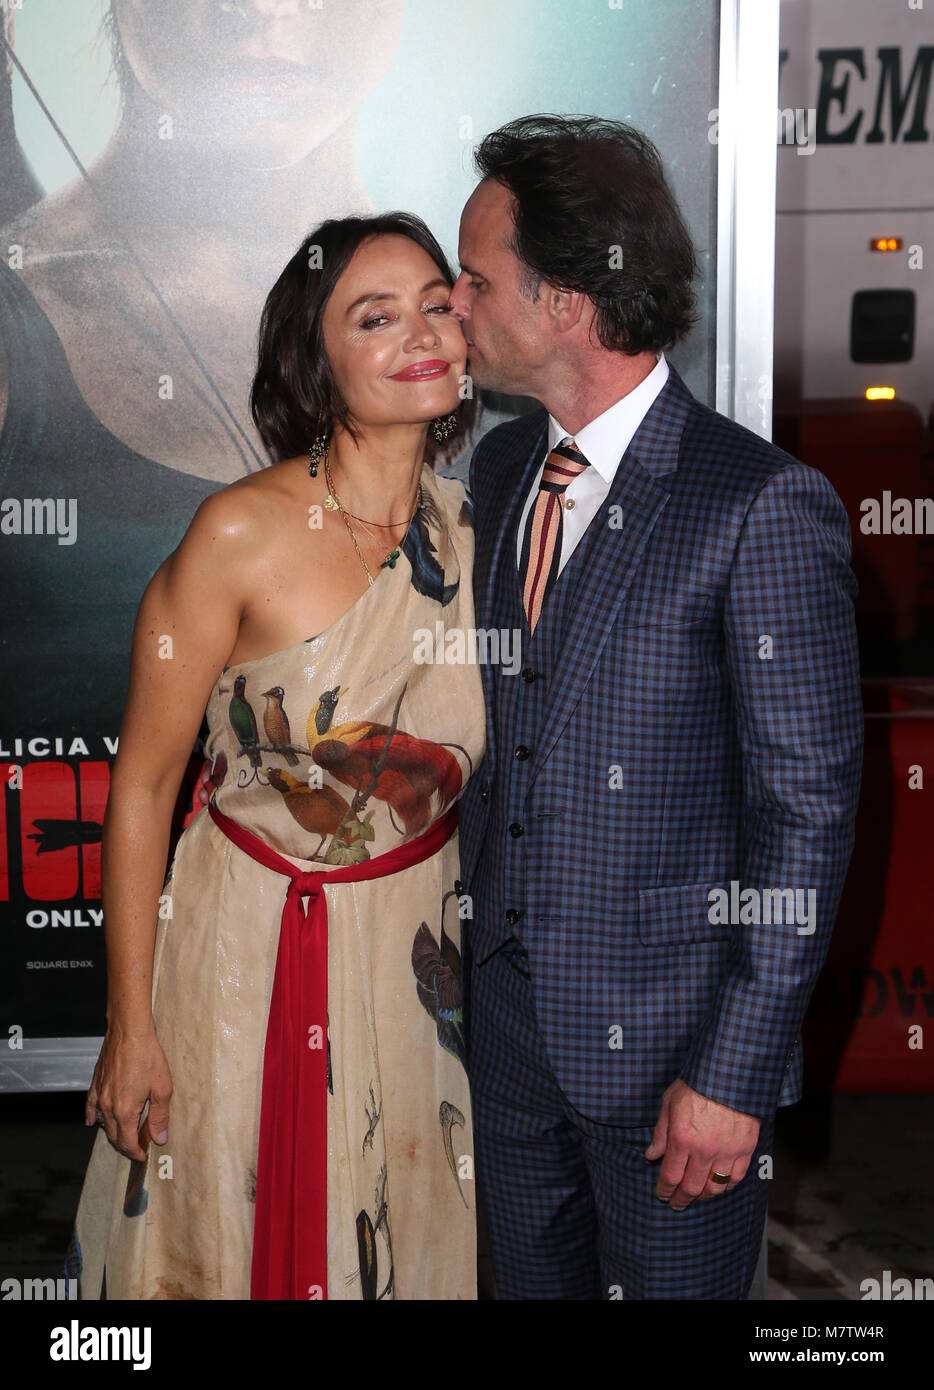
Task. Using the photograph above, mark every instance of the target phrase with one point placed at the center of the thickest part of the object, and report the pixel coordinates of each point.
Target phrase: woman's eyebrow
(371, 295)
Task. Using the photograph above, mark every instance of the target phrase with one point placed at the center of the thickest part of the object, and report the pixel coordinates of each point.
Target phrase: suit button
(512, 916)
(458, 887)
(522, 752)
(528, 675)
(516, 830)
(484, 794)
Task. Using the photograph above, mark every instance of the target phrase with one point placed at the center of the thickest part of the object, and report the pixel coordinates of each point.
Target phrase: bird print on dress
(323, 811)
(369, 1232)
(243, 723)
(407, 773)
(419, 549)
(414, 777)
(438, 985)
(366, 1249)
(276, 724)
(449, 1115)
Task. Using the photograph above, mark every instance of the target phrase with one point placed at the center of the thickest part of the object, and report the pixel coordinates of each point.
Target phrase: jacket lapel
(615, 554)
(495, 559)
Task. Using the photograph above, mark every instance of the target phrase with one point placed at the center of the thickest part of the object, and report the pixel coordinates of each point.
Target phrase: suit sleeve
(791, 652)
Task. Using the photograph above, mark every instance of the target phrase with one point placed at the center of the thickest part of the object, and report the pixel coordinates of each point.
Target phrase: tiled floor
(852, 1194)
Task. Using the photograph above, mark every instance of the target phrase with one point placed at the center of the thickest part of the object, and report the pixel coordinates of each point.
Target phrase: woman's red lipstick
(422, 371)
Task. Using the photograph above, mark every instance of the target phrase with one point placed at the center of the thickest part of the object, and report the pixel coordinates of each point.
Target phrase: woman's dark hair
(109, 34)
(594, 214)
(294, 396)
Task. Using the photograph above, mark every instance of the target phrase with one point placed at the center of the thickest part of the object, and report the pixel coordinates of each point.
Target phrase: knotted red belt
(290, 1226)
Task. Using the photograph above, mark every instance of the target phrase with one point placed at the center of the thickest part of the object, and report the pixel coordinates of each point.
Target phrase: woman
(336, 754)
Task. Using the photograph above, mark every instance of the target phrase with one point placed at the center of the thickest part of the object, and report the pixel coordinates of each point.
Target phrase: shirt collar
(604, 440)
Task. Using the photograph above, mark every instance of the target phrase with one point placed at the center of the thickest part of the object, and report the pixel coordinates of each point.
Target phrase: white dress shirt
(603, 442)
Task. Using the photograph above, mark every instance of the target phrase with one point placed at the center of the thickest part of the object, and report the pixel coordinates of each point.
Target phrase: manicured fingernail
(161, 1137)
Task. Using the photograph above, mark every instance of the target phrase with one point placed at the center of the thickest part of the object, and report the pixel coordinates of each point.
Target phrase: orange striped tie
(541, 549)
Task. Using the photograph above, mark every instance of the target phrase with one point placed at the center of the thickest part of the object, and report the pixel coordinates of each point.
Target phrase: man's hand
(698, 1137)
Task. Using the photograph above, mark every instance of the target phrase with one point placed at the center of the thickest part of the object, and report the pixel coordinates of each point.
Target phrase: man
(657, 839)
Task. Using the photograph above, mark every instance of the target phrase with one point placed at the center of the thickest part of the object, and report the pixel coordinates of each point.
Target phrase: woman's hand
(131, 1069)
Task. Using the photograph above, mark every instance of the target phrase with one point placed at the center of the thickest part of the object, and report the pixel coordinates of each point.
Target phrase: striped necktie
(541, 548)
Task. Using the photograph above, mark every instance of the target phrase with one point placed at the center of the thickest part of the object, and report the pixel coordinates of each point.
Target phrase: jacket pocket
(679, 914)
(680, 611)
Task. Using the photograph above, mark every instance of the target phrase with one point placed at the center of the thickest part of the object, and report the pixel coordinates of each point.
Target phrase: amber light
(880, 393)
(886, 243)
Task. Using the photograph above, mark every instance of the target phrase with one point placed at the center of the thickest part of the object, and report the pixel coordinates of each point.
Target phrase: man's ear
(568, 308)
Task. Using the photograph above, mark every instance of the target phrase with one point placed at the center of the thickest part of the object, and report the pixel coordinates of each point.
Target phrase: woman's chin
(421, 414)
(429, 413)
(445, 406)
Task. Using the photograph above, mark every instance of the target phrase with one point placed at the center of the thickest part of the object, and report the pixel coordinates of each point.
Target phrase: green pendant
(390, 560)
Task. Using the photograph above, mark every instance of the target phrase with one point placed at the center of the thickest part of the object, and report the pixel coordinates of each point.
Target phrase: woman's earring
(316, 454)
(443, 426)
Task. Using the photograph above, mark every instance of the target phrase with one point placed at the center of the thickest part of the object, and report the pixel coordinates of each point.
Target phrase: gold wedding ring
(719, 1177)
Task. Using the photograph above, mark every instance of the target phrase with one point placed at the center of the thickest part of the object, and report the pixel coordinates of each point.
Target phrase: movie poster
(159, 164)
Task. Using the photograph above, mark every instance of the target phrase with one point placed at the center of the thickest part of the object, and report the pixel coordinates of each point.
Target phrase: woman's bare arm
(185, 629)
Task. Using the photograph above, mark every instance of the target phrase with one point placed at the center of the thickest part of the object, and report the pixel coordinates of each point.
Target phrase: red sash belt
(290, 1229)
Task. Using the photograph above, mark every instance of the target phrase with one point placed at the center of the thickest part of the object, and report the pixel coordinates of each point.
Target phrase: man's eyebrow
(372, 295)
(470, 271)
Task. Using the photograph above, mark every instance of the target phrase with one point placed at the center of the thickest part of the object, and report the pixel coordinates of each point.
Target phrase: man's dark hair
(294, 396)
(593, 213)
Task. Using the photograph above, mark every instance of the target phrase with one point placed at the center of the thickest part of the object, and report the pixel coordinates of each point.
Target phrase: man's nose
(459, 298)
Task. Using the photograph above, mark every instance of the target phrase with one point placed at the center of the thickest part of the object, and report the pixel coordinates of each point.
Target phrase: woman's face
(269, 79)
(395, 349)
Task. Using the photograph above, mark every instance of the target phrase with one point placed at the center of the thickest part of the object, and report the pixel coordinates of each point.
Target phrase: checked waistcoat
(519, 709)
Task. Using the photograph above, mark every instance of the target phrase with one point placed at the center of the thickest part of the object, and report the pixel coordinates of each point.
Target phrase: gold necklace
(333, 503)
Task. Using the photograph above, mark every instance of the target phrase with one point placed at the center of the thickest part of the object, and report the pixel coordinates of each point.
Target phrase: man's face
(509, 335)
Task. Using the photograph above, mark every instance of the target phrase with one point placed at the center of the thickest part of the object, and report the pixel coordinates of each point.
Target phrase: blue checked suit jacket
(732, 763)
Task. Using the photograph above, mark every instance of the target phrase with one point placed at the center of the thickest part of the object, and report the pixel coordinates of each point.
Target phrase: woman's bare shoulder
(242, 517)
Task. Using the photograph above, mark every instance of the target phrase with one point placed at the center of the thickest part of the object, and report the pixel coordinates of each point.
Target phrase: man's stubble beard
(492, 379)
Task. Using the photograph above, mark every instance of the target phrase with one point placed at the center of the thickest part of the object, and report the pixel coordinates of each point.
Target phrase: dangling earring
(443, 426)
(316, 454)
